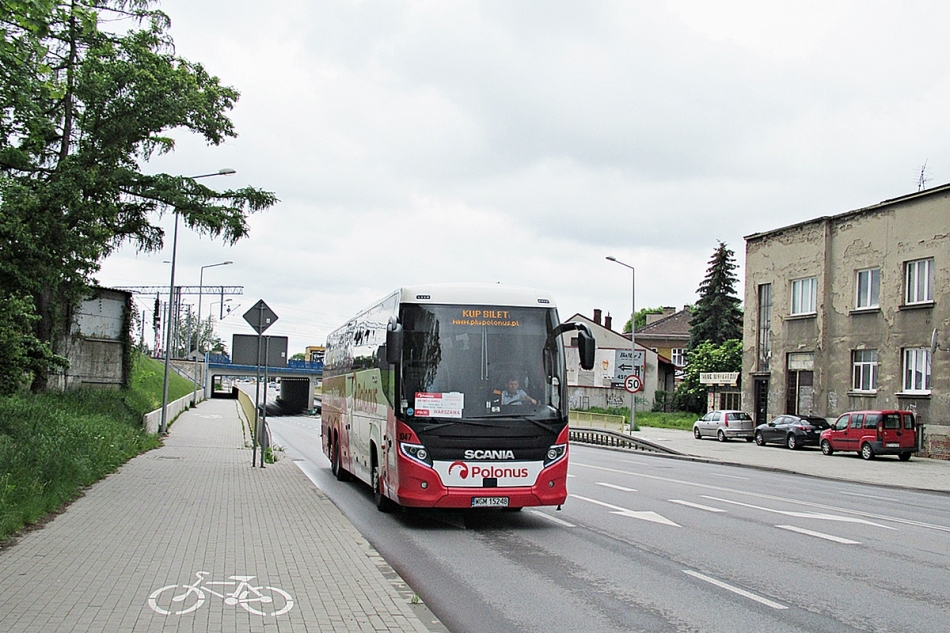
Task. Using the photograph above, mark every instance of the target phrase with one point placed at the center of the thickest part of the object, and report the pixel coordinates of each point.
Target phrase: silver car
(725, 425)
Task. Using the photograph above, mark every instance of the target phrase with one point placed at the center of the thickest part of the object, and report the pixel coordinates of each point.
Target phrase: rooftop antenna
(922, 179)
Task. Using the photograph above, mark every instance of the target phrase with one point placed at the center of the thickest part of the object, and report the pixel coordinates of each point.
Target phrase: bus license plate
(489, 502)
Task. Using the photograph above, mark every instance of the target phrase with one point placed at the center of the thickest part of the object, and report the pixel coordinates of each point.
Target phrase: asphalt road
(652, 544)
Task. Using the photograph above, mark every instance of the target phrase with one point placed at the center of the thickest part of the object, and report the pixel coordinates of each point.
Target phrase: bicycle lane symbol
(182, 599)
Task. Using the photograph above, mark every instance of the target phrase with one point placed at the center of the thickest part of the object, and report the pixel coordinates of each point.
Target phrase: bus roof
(476, 294)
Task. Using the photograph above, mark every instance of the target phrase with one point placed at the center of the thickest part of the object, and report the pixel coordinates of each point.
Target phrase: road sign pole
(260, 317)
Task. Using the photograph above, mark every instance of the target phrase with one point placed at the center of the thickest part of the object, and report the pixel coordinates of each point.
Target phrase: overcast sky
(523, 142)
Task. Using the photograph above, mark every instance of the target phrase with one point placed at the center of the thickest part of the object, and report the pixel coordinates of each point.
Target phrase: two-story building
(667, 334)
(845, 312)
(602, 386)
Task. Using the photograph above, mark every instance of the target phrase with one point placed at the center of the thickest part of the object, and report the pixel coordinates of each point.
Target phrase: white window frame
(864, 370)
(867, 295)
(919, 281)
(678, 356)
(804, 296)
(916, 370)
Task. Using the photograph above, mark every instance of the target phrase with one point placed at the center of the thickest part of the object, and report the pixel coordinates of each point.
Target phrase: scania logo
(478, 454)
(463, 469)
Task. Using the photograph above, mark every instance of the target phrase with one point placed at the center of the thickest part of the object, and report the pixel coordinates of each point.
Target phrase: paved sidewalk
(197, 505)
(918, 473)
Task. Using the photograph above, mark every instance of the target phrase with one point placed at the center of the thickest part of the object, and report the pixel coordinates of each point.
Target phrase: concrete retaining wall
(153, 420)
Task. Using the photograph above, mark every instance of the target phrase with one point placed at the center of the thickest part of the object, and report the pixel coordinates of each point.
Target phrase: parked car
(872, 433)
(724, 425)
(794, 431)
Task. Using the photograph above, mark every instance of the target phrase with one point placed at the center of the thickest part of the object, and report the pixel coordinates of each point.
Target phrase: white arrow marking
(828, 537)
(552, 518)
(698, 506)
(633, 514)
(803, 515)
(615, 486)
(736, 590)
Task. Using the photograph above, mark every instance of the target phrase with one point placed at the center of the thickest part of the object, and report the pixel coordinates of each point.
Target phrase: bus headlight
(555, 453)
(416, 452)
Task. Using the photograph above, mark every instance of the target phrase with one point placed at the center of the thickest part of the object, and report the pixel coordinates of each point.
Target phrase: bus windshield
(469, 362)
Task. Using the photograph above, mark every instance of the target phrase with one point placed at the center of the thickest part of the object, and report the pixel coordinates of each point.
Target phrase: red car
(872, 433)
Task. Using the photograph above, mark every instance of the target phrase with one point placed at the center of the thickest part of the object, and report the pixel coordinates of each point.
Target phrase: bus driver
(515, 395)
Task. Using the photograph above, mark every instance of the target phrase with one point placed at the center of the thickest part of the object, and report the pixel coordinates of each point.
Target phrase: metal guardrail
(603, 437)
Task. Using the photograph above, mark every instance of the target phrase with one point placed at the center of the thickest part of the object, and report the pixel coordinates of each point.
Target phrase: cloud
(523, 142)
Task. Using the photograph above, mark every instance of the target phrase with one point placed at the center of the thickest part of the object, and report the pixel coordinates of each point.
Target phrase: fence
(597, 420)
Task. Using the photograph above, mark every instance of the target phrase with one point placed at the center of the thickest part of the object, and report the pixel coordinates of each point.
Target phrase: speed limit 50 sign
(632, 383)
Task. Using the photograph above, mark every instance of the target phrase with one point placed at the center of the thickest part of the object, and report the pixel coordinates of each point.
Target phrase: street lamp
(163, 427)
(633, 344)
(201, 280)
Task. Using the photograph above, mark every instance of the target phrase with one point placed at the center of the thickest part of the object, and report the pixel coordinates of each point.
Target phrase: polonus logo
(488, 471)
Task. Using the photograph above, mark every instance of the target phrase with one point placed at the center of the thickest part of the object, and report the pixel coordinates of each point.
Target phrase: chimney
(597, 314)
(608, 321)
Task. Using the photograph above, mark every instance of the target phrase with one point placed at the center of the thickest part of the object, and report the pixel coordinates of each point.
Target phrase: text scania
(489, 454)
(487, 472)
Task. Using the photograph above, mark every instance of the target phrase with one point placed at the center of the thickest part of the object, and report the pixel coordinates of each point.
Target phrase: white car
(725, 425)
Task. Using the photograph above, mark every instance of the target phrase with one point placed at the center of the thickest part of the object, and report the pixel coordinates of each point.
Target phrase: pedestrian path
(918, 473)
(190, 537)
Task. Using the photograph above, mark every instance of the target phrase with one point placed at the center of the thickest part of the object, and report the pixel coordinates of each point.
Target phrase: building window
(765, 326)
(804, 296)
(679, 357)
(869, 288)
(919, 281)
(917, 370)
(864, 370)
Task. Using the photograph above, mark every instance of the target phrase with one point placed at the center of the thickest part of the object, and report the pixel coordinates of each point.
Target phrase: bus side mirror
(586, 345)
(393, 342)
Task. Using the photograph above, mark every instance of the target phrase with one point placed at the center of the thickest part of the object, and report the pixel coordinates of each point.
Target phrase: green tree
(690, 394)
(717, 315)
(81, 110)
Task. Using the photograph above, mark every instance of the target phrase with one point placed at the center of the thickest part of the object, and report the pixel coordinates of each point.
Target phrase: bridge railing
(312, 365)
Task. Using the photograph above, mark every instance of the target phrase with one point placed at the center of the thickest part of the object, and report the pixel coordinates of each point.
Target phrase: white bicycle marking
(166, 600)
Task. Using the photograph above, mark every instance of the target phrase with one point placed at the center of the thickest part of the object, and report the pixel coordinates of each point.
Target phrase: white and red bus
(452, 396)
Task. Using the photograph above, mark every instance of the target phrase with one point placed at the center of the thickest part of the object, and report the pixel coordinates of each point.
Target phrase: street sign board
(718, 377)
(633, 384)
(626, 362)
(260, 317)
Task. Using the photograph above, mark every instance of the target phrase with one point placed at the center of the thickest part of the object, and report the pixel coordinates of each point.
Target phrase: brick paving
(196, 505)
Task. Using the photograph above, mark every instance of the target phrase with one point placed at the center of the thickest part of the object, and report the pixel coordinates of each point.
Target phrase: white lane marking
(552, 518)
(615, 486)
(698, 506)
(645, 515)
(828, 537)
(802, 515)
(759, 495)
(735, 590)
(729, 476)
(875, 497)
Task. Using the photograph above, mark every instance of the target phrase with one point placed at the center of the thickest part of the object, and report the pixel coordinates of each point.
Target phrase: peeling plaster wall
(833, 249)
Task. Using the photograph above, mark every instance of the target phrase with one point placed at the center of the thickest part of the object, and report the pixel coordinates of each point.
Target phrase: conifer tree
(717, 316)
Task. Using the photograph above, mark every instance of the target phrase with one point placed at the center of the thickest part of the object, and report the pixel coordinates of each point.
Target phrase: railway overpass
(298, 378)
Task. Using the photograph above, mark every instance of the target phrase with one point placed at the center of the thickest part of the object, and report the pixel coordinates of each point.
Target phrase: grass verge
(53, 445)
(674, 420)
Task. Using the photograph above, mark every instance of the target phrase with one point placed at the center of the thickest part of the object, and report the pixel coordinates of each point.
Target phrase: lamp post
(201, 280)
(633, 344)
(163, 427)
